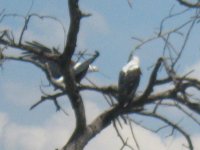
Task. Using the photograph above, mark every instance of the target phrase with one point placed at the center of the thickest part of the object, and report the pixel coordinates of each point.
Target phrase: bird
(78, 76)
(79, 68)
(129, 78)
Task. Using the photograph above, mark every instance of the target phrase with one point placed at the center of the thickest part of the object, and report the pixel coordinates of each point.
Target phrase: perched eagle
(129, 79)
(80, 68)
(78, 75)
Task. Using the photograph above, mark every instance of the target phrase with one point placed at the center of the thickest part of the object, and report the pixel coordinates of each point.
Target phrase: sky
(109, 30)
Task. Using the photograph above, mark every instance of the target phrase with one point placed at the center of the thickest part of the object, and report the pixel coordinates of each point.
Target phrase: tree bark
(79, 139)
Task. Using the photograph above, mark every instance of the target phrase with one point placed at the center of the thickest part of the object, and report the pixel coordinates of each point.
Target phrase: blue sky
(108, 30)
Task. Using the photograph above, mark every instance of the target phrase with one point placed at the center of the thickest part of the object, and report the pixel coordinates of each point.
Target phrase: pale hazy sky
(108, 30)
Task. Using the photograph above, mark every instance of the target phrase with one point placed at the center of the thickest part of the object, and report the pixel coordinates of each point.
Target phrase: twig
(185, 42)
(48, 97)
(133, 135)
(169, 17)
(124, 142)
(188, 114)
(157, 36)
(27, 19)
(173, 125)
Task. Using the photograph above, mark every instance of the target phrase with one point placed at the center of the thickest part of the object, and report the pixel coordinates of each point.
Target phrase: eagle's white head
(133, 64)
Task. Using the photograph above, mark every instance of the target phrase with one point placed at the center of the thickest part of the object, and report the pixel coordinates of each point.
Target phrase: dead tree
(176, 96)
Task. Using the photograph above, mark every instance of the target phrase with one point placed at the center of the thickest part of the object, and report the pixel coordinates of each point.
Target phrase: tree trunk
(80, 138)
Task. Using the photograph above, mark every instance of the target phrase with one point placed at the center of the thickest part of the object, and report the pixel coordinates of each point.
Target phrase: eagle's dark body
(129, 79)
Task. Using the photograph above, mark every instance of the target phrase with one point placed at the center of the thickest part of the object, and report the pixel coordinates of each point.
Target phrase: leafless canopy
(176, 96)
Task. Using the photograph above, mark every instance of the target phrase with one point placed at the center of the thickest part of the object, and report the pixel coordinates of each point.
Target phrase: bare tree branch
(133, 135)
(27, 19)
(185, 41)
(124, 142)
(49, 97)
(75, 18)
(112, 89)
(188, 114)
(189, 4)
(23, 47)
(152, 79)
(173, 125)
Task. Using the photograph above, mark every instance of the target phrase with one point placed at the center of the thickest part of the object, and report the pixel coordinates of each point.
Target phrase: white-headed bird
(129, 79)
